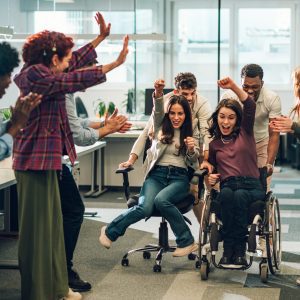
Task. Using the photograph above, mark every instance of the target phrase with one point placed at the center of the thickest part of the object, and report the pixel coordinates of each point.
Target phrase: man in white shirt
(268, 107)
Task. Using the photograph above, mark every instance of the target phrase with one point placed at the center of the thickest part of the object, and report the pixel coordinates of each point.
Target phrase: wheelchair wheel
(204, 270)
(273, 238)
(264, 272)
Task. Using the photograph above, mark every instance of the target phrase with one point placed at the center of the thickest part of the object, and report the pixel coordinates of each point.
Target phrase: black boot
(76, 283)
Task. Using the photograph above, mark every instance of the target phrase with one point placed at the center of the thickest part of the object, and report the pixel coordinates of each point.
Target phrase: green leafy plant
(102, 108)
(6, 113)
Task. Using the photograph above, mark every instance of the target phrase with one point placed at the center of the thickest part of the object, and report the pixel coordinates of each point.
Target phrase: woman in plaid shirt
(52, 70)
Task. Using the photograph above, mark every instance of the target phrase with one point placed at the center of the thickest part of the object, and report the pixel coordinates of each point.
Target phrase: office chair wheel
(263, 271)
(197, 264)
(125, 262)
(157, 268)
(192, 256)
(204, 270)
(146, 255)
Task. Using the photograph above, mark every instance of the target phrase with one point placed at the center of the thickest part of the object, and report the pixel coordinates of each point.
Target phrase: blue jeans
(162, 189)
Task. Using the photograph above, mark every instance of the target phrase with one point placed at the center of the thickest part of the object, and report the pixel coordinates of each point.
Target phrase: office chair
(163, 238)
(80, 108)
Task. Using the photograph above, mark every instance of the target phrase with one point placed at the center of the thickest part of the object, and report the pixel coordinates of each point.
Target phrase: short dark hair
(214, 130)
(185, 80)
(252, 70)
(9, 58)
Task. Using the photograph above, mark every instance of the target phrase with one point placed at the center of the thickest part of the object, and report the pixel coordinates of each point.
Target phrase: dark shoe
(76, 283)
(225, 260)
(240, 260)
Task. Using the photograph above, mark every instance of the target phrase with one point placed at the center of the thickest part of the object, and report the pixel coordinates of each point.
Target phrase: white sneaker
(72, 296)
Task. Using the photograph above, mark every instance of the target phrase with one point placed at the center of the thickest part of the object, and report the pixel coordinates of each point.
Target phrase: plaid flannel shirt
(47, 135)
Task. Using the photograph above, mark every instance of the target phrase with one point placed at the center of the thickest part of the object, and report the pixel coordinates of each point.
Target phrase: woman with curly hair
(233, 155)
(52, 70)
(292, 123)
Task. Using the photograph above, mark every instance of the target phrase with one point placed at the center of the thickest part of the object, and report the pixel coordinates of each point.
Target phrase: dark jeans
(72, 210)
(236, 196)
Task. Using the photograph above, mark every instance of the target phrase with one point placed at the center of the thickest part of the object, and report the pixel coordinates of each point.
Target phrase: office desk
(97, 166)
(7, 180)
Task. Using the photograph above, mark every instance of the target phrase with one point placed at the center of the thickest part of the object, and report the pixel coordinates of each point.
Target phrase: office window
(198, 43)
(267, 41)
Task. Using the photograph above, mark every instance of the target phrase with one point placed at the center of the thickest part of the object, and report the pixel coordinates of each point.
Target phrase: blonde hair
(296, 80)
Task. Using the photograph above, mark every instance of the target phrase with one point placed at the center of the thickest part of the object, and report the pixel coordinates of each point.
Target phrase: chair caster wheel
(146, 255)
(157, 268)
(192, 256)
(197, 264)
(264, 273)
(204, 270)
(125, 262)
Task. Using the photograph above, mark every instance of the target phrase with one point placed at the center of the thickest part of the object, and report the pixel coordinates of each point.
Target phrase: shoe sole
(193, 249)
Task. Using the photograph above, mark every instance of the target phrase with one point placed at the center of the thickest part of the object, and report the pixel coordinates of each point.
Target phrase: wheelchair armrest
(200, 172)
(124, 170)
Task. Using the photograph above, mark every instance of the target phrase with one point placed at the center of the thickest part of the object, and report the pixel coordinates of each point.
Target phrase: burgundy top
(238, 157)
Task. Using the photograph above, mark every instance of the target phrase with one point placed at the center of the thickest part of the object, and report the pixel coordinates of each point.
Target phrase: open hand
(104, 29)
(123, 54)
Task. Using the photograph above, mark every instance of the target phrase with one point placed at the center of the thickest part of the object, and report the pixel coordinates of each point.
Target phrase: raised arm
(249, 104)
(158, 103)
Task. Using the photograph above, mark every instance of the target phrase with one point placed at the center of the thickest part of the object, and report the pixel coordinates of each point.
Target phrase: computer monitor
(149, 100)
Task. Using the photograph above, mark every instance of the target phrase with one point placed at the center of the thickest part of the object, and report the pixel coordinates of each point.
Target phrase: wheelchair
(264, 222)
(163, 246)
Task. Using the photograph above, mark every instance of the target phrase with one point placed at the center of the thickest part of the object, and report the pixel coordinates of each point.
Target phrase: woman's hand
(281, 124)
(206, 165)
(130, 162)
(213, 179)
(104, 29)
(228, 83)
(159, 86)
(123, 54)
(190, 144)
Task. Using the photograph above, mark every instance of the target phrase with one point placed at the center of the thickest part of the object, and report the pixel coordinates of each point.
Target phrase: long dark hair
(185, 130)
(214, 129)
(296, 78)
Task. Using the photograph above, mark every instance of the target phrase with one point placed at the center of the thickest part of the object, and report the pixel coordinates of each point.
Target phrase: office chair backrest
(80, 108)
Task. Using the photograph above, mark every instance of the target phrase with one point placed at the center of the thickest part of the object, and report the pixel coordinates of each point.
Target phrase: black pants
(236, 196)
(72, 210)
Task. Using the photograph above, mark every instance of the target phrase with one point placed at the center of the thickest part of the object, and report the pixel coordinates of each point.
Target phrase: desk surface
(83, 150)
(7, 178)
(128, 134)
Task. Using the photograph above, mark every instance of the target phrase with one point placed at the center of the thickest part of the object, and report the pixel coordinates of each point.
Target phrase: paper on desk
(6, 163)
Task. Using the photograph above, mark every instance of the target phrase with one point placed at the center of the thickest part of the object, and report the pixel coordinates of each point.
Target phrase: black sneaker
(76, 283)
(225, 260)
(240, 260)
